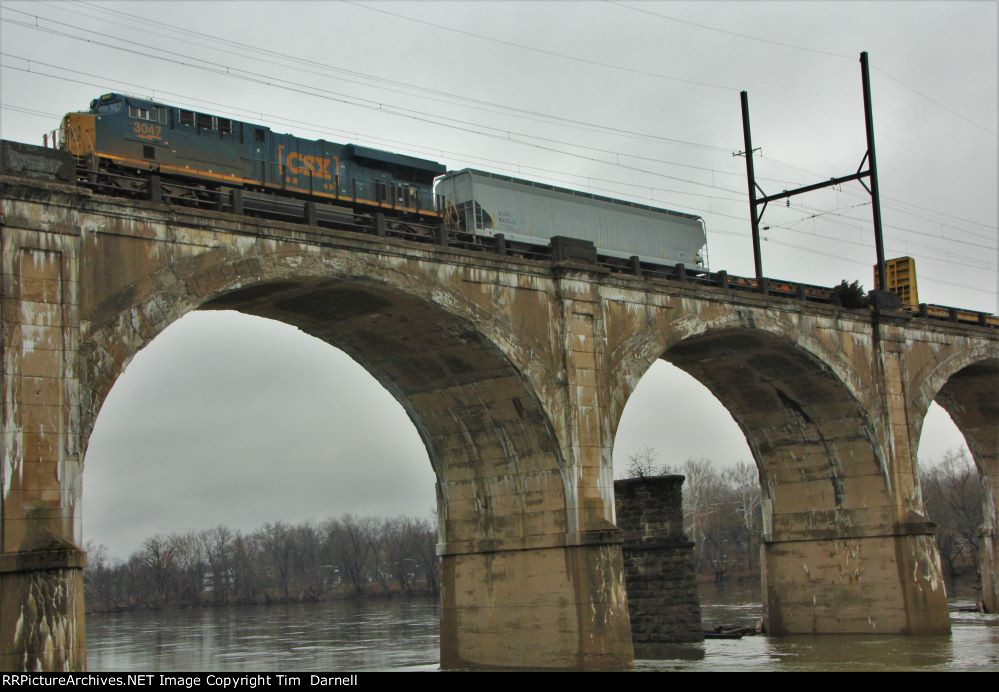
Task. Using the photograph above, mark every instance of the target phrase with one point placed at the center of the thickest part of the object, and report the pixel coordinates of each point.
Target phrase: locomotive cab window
(204, 121)
(225, 125)
(185, 117)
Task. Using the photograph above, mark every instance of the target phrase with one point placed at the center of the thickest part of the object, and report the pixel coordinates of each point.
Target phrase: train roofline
(571, 192)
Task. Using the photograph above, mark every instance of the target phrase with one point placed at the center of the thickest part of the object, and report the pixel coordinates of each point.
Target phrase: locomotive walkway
(516, 372)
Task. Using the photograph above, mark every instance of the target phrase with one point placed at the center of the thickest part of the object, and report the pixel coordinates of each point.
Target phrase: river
(403, 635)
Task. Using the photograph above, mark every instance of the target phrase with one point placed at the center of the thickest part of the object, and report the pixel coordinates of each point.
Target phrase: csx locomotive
(197, 157)
(197, 153)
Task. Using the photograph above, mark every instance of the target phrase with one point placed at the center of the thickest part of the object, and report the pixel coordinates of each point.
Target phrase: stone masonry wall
(658, 562)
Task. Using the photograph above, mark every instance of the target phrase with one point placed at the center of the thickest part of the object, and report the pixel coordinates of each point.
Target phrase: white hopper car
(532, 213)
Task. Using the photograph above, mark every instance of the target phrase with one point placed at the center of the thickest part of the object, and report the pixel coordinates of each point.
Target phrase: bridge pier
(557, 607)
(41, 567)
(41, 611)
(853, 585)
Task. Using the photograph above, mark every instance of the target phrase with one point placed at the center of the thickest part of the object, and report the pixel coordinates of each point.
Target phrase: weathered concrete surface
(515, 373)
(658, 563)
(970, 397)
(41, 594)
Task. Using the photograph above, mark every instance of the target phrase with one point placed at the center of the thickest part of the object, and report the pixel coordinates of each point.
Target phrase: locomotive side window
(258, 135)
(186, 117)
(225, 126)
(204, 121)
(141, 113)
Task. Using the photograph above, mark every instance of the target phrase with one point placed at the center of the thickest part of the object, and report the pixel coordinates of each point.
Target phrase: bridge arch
(964, 384)
(829, 514)
(505, 517)
(646, 347)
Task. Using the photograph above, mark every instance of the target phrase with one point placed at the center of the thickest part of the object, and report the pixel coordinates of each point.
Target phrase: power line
(822, 212)
(256, 51)
(622, 68)
(896, 201)
(984, 266)
(805, 49)
(936, 103)
(727, 32)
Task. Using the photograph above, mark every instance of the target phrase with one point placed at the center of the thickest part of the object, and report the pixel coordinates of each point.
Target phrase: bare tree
(311, 558)
(644, 463)
(157, 561)
(351, 544)
(744, 481)
(952, 495)
(276, 543)
(218, 545)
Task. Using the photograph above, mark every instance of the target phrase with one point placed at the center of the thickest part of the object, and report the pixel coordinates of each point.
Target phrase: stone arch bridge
(515, 373)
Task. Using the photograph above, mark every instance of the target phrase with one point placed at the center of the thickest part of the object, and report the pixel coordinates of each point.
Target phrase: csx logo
(300, 164)
(318, 166)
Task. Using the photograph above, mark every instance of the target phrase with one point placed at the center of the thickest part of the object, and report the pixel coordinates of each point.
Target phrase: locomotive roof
(570, 192)
(360, 152)
(354, 150)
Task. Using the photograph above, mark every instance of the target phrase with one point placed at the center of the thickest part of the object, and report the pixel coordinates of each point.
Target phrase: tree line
(358, 556)
(722, 512)
(279, 562)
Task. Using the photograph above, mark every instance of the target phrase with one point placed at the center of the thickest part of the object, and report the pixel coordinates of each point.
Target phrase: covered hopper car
(533, 213)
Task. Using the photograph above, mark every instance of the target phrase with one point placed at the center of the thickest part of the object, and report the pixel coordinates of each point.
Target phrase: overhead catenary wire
(256, 51)
(544, 51)
(806, 49)
(728, 32)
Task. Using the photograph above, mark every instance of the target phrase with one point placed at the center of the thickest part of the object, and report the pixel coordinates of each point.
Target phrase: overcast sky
(636, 100)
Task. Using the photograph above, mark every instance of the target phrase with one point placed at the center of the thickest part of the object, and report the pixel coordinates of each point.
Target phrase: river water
(403, 635)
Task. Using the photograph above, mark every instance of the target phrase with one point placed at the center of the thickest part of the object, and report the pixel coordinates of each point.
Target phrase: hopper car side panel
(533, 213)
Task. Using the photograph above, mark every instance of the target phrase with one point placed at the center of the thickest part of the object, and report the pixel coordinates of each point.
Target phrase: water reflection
(400, 634)
(336, 635)
(972, 645)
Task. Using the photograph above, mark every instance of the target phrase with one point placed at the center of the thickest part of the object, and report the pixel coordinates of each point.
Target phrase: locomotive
(198, 154)
(197, 157)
